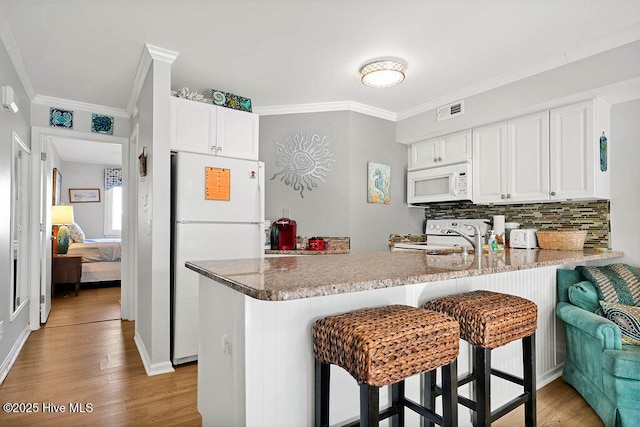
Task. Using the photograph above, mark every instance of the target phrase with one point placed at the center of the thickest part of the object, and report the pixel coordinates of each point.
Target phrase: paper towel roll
(498, 224)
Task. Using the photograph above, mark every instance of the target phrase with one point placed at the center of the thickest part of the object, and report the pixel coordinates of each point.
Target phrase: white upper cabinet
(446, 150)
(576, 172)
(237, 134)
(209, 129)
(511, 161)
(193, 126)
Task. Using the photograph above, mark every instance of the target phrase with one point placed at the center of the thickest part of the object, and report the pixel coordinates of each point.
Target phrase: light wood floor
(91, 305)
(98, 363)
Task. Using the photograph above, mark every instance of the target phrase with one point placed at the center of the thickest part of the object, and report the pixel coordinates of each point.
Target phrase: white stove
(438, 238)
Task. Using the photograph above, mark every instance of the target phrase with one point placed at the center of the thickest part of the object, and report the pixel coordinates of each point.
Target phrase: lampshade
(382, 73)
(61, 214)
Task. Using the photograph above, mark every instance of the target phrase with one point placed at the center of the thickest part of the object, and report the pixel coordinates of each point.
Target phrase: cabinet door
(193, 126)
(528, 164)
(572, 152)
(424, 154)
(237, 134)
(490, 163)
(455, 148)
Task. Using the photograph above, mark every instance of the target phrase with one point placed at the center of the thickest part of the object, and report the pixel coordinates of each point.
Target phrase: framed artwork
(102, 124)
(60, 118)
(84, 195)
(378, 183)
(57, 183)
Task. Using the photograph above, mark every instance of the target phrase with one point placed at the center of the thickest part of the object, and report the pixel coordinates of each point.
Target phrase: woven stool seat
(489, 319)
(381, 346)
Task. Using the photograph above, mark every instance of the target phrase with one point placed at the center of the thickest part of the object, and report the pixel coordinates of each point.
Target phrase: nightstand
(66, 269)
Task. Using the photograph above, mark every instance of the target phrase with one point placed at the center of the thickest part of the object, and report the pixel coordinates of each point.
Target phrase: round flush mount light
(382, 73)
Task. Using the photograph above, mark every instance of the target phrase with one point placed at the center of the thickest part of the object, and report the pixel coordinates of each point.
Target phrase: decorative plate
(61, 118)
(102, 124)
(230, 100)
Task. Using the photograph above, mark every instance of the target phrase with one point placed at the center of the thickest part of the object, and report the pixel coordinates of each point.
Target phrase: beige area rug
(91, 305)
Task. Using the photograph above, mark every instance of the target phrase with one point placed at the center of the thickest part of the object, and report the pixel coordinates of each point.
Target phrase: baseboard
(549, 376)
(151, 368)
(11, 358)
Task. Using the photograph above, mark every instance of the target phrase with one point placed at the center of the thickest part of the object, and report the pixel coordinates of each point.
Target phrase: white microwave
(439, 184)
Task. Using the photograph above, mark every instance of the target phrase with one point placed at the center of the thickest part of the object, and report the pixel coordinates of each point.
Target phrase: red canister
(316, 244)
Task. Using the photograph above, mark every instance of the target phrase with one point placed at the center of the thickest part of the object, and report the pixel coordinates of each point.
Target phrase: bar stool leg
(322, 374)
(529, 359)
(429, 394)
(397, 394)
(369, 405)
(449, 394)
(482, 370)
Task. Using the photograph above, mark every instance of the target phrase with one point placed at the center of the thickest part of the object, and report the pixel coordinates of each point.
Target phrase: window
(113, 211)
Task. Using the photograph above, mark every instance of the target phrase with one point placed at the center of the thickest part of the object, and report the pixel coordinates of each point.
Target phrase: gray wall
(339, 206)
(559, 86)
(19, 123)
(625, 179)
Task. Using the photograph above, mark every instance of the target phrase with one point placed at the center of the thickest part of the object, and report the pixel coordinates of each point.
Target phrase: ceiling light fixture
(382, 73)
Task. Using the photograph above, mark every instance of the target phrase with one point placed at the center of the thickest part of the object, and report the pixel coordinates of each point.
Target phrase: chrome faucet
(477, 244)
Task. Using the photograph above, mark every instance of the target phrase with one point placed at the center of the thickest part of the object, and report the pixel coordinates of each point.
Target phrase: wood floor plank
(98, 363)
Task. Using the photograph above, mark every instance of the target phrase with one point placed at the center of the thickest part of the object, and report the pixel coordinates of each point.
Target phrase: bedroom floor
(93, 304)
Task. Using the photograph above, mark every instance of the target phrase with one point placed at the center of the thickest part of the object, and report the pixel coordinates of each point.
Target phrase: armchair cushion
(584, 295)
(623, 363)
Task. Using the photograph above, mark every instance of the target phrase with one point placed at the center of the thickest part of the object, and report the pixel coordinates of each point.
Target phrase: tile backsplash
(592, 216)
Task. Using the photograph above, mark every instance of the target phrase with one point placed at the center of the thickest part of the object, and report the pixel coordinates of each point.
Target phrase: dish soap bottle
(492, 243)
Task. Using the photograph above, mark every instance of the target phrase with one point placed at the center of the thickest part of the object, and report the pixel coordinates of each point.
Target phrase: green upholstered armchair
(599, 365)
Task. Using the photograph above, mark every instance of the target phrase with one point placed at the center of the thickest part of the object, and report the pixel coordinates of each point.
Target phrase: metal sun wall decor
(378, 183)
(304, 160)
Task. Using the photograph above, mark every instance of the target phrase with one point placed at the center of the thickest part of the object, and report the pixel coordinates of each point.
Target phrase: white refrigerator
(205, 229)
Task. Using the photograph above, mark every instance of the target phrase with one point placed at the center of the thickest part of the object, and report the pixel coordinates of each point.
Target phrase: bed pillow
(619, 283)
(584, 295)
(75, 233)
(627, 318)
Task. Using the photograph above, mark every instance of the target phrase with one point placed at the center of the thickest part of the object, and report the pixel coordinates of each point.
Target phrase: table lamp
(61, 215)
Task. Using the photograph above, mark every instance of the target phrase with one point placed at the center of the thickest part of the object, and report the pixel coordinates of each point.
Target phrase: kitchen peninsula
(256, 357)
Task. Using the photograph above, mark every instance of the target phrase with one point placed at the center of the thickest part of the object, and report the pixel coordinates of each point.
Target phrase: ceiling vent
(452, 110)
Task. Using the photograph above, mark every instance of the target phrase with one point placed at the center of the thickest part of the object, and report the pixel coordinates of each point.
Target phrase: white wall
(9, 123)
(81, 119)
(625, 179)
(89, 216)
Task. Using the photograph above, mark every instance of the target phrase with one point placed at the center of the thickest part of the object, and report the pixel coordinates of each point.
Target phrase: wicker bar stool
(489, 320)
(383, 346)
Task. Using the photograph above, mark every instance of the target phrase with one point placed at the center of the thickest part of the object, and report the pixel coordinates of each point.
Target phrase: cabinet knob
(553, 193)
(439, 158)
(508, 195)
(502, 196)
(214, 148)
(219, 148)
(435, 160)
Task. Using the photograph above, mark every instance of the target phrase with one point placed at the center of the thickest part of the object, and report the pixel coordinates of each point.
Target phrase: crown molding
(77, 105)
(150, 53)
(14, 53)
(323, 107)
(628, 35)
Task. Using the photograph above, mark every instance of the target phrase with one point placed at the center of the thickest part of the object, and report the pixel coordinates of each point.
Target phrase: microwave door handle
(454, 184)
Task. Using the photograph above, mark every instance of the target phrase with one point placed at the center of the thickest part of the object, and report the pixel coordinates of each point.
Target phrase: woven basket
(562, 240)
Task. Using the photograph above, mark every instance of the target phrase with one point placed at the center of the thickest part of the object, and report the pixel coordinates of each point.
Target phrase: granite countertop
(289, 278)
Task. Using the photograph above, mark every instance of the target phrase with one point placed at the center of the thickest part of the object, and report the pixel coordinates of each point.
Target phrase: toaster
(523, 238)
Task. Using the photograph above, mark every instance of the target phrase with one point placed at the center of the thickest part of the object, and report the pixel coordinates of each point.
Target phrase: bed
(100, 259)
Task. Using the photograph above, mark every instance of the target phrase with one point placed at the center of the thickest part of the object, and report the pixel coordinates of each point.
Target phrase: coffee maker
(283, 234)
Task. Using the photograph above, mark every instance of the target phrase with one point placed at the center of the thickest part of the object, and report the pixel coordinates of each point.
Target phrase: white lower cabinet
(511, 161)
(208, 129)
(576, 151)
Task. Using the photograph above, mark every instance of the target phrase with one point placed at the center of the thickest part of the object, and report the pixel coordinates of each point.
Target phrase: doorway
(81, 154)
